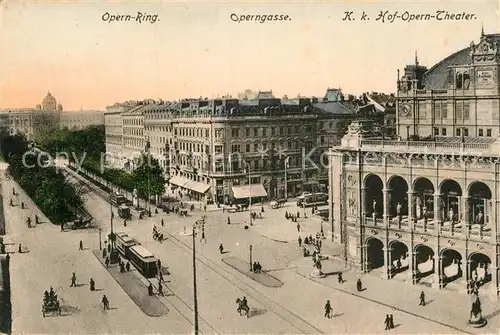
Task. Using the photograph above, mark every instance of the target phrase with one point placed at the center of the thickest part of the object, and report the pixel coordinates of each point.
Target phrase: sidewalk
(441, 305)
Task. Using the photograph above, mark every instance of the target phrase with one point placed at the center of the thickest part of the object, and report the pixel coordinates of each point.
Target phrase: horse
(242, 307)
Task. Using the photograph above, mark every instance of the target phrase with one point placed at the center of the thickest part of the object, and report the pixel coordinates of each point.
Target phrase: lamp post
(100, 240)
(250, 248)
(250, 194)
(195, 293)
(148, 147)
(304, 206)
(113, 256)
(286, 180)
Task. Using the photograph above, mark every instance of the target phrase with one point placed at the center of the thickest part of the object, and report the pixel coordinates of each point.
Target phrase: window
(255, 147)
(282, 131)
(264, 146)
(443, 131)
(235, 132)
(444, 109)
(481, 132)
(247, 132)
(422, 110)
(273, 131)
(466, 132)
(235, 148)
(437, 110)
(466, 110)
(264, 132)
(297, 129)
(247, 148)
(488, 132)
(207, 133)
(458, 110)
(255, 132)
(289, 130)
(436, 131)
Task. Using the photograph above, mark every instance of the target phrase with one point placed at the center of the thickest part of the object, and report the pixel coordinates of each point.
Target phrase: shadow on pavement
(132, 285)
(244, 268)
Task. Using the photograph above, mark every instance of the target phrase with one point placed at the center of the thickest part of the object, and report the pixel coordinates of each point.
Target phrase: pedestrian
(228, 220)
(261, 210)
(160, 289)
(36, 219)
(150, 290)
(203, 238)
(298, 227)
(328, 310)
(359, 285)
(159, 265)
(221, 248)
(387, 322)
(104, 253)
(300, 241)
(205, 208)
(124, 222)
(20, 249)
(127, 267)
(162, 222)
(339, 276)
(62, 226)
(22, 205)
(422, 299)
(73, 280)
(160, 277)
(92, 284)
(107, 262)
(105, 302)
(81, 245)
(391, 322)
(109, 247)
(298, 215)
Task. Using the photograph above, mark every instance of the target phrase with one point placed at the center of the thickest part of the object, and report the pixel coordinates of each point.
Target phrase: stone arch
(479, 267)
(374, 253)
(479, 202)
(400, 259)
(451, 265)
(424, 198)
(374, 198)
(398, 200)
(424, 261)
(451, 193)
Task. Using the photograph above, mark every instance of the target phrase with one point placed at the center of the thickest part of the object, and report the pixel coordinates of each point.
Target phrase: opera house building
(423, 207)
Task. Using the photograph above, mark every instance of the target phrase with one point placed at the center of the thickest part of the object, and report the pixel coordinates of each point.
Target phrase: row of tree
(56, 198)
(88, 147)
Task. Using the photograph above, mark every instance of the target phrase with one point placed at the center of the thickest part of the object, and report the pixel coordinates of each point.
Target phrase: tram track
(278, 309)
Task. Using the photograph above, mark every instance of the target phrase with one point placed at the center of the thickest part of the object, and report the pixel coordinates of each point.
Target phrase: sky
(195, 49)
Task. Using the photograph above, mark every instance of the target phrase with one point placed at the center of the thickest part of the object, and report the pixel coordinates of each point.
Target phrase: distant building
(47, 116)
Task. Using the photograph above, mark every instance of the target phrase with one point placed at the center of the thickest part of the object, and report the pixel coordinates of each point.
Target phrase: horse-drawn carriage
(277, 203)
(50, 304)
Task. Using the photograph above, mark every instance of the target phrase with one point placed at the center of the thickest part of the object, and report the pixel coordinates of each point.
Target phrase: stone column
(387, 199)
(410, 210)
(459, 210)
(466, 211)
(364, 208)
(437, 209)
(467, 272)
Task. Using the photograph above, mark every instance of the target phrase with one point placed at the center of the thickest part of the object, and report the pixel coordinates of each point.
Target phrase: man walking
(387, 322)
(298, 227)
(203, 238)
(339, 276)
(328, 309)
(422, 299)
(73, 280)
(105, 302)
(300, 241)
(81, 245)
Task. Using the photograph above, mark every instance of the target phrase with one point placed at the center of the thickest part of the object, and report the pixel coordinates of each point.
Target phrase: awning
(178, 180)
(247, 191)
(197, 186)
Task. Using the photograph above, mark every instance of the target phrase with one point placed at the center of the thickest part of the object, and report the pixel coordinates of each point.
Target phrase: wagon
(51, 307)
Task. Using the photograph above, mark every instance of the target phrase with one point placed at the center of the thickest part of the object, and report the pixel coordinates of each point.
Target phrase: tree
(156, 183)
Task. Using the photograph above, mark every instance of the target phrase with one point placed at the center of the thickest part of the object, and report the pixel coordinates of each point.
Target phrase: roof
(333, 108)
(436, 77)
(141, 251)
(247, 191)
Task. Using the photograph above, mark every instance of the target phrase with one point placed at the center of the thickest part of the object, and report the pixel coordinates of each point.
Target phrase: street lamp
(195, 293)
(100, 240)
(250, 194)
(113, 256)
(250, 248)
(148, 149)
(286, 180)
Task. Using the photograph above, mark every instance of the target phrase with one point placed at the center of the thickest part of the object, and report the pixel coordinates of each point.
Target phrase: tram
(145, 262)
(124, 243)
(315, 199)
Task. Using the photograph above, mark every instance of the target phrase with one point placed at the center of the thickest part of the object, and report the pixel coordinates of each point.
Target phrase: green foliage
(149, 173)
(55, 197)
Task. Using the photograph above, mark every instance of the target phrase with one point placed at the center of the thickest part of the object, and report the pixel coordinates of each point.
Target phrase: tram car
(145, 262)
(117, 199)
(124, 243)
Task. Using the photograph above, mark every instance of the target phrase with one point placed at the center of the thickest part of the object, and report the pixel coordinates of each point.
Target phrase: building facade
(424, 208)
(210, 146)
(81, 119)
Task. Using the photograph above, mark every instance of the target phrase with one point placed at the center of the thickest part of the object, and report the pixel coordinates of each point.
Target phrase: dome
(49, 103)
